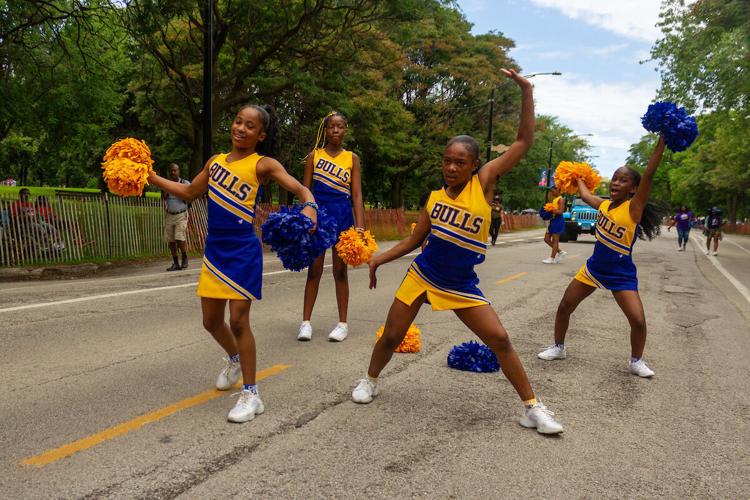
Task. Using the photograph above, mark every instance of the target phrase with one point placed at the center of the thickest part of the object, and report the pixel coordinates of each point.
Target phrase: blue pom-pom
(545, 215)
(673, 123)
(288, 233)
(473, 357)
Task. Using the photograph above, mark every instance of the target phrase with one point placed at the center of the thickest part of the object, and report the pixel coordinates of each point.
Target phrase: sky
(597, 46)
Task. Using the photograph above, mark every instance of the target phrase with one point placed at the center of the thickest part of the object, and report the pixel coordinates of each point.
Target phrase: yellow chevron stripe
(230, 208)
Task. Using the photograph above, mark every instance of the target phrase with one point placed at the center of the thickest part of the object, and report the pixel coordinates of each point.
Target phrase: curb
(58, 271)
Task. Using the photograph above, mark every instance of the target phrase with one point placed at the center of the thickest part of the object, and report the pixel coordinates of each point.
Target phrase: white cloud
(632, 18)
(609, 111)
(609, 49)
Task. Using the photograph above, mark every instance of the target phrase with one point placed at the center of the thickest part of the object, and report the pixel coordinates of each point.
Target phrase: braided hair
(320, 137)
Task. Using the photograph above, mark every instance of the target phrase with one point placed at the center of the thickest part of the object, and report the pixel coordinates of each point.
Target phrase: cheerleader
(333, 175)
(456, 219)
(555, 229)
(626, 216)
(233, 262)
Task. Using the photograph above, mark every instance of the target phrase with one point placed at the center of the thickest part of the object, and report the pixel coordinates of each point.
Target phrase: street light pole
(489, 128)
(208, 78)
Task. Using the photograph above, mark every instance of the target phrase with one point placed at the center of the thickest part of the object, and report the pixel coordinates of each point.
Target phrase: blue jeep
(580, 218)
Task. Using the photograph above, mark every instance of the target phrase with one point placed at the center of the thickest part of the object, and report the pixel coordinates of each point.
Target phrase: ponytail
(269, 145)
(653, 213)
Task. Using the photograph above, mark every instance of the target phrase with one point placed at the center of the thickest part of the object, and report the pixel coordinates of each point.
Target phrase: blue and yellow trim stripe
(331, 182)
(230, 208)
(458, 239)
(590, 276)
(227, 280)
(231, 201)
(414, 267)
(612, 244)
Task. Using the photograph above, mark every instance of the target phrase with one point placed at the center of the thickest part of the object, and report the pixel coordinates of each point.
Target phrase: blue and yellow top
(332, 176)
(458, 238)
(616, 232)
(232, 191)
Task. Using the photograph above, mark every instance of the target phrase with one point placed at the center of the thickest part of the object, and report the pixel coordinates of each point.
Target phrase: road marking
(739, 286)
(738, 245)
(69, 449)
(118, 294)
(511, 278)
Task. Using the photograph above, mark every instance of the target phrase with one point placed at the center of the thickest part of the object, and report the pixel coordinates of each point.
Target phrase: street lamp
(492, 103)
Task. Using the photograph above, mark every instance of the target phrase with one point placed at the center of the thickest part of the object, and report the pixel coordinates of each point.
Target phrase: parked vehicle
(579, 219)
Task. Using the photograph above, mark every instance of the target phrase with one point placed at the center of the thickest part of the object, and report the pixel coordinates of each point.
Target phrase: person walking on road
(176, 221)
(555, 229)
(626, 216)
(713, 225)
(496, 218)
(232, 269)
(456, 220)
(683, 219)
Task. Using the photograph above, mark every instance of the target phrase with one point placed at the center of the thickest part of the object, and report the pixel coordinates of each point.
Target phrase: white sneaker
(681, 249)
(708, 252)
(639, 368)
(714, 253)
(553, 352)
(562, 254)
(229, 375)
(247, 406)
(365, 391)
(339, 333)
(305, 331)
(549, 260)
(540, 418)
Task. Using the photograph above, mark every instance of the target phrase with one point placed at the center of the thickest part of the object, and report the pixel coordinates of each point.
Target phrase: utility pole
(208, 79)
(489, 128)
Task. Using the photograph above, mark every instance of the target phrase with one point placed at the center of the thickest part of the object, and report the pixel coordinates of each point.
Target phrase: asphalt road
(107, 389)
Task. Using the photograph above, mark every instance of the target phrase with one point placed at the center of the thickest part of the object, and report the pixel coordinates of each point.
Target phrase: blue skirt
(341, 212)
(556, 225)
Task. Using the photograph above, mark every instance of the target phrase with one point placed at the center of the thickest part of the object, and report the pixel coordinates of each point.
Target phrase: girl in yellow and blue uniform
(555, 229)
(621, 220)
(233, 262)
(456, 222)
(333, 175)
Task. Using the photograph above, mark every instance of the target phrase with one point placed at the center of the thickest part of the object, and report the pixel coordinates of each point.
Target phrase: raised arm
(188, 192)
(270, 169)
(591, 199)
(640, 198)
(408, 244)
(493, 170)
(357, 201)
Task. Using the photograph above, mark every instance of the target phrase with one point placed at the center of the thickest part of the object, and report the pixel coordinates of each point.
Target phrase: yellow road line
(511, 278)
(69, 449)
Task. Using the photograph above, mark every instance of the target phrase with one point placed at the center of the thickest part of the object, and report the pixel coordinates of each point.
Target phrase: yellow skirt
(441, 299)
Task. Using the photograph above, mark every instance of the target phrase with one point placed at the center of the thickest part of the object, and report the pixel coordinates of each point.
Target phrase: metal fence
(92, 227)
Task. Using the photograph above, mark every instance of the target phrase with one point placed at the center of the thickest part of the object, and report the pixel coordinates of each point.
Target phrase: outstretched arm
(591, 199)
(408, 244)
(270, 169)
(357, 201)
(187, 192)
(640, 198)
(493, 170)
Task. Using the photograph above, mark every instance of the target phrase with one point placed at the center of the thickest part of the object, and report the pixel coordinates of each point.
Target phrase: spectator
(683, 219)
(714, 222)
(496, 217)
(28, 223)
(175, 221)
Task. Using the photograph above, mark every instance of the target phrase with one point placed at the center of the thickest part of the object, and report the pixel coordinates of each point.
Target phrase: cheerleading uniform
(611, 266)
(233, 261)
(557, 223)
(457, 242)
(331, 186)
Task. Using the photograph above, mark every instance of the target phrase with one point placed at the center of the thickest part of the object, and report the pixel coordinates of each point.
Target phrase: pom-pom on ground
(288, 233)
(127, 165)
(411, 342)
(356, 247)
(473, 357)
(674, 124)
(568, 172)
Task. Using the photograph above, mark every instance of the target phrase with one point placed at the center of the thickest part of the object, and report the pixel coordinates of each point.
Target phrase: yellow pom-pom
(127, 165)
(549, 207)
(413, 226)
(568, 172)
(411, 342)
(356, 247)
